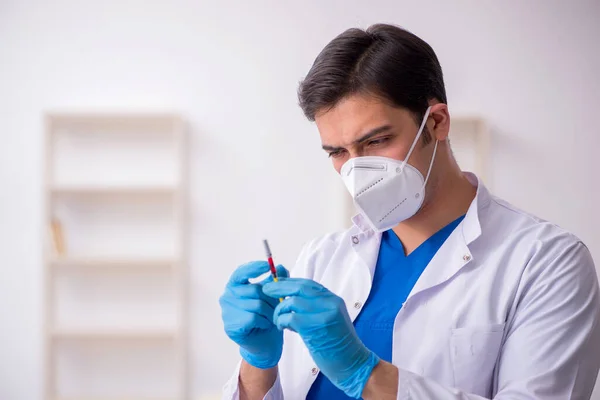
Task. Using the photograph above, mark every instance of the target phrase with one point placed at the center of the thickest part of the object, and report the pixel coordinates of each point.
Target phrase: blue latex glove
(248, 315)
(321, 319)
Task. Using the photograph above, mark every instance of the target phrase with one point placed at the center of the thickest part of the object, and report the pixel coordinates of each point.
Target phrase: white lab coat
(508, 308)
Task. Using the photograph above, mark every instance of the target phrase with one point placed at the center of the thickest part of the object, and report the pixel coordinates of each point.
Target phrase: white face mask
(384, 190)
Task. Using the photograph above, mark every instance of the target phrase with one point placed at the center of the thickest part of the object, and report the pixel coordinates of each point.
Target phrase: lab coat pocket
(474, 353)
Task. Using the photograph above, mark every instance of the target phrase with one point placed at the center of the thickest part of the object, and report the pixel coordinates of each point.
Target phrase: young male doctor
(440, 290)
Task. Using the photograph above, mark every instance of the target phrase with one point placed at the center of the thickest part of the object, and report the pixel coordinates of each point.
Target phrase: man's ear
(438, 122)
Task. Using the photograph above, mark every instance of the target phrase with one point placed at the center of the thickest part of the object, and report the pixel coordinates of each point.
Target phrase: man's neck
(449, 200)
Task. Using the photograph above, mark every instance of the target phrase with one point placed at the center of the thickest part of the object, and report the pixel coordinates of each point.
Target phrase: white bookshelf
(115, 296)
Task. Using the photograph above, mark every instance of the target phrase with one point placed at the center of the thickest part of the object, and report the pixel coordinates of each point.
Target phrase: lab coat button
(314, 371)
(355, 239)
(466, 257)
(357, 305)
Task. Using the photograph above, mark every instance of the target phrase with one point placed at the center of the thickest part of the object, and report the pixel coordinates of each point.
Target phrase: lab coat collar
(361, 223)
(471, 226)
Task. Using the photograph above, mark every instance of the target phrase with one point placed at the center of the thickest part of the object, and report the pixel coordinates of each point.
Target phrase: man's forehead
(352, 118)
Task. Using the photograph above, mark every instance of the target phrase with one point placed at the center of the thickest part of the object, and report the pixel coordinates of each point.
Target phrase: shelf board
(112, 398)
(78, 190)
(165, 121)
(115, 334)
(112, 262)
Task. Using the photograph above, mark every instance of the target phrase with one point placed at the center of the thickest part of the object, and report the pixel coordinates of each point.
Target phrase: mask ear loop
(412, 147)
(430, 165)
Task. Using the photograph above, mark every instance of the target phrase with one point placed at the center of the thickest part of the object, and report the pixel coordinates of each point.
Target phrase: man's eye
(377, 142)
(336, 153)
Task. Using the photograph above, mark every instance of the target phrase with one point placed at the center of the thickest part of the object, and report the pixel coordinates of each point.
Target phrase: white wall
(231, 68)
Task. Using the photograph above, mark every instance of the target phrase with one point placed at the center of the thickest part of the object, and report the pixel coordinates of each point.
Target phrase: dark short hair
(384, 60)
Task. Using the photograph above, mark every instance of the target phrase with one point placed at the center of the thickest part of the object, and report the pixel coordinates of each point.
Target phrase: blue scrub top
(395, 276)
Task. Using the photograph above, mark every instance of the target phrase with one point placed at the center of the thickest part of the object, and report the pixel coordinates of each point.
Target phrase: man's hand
(321, 319)
(248, 316)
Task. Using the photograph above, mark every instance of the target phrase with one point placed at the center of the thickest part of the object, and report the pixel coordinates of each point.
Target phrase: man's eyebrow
(363, 138)
(372, 133)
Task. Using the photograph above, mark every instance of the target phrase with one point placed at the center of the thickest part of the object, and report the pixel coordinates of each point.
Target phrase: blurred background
(149, 147)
